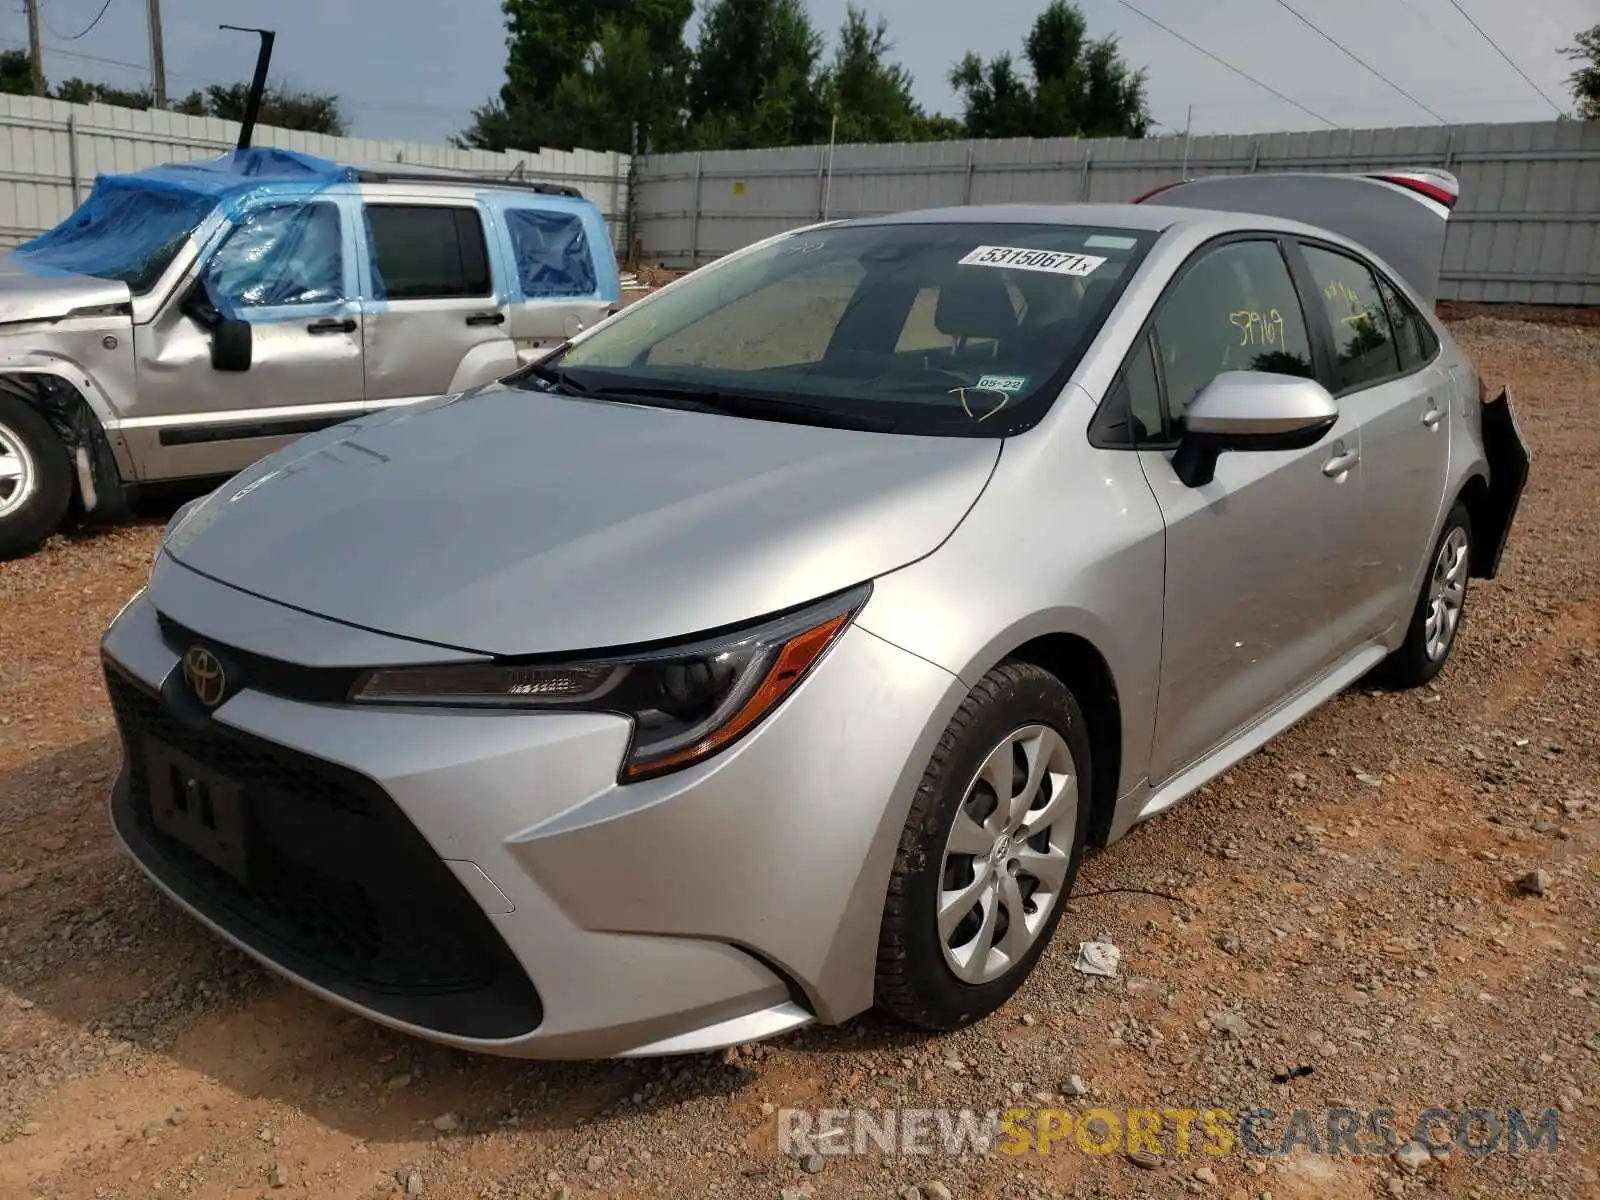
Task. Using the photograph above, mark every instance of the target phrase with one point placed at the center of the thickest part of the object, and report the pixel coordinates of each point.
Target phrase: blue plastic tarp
(291, 253)
(558, 245)
(552, 253)
(132, 225)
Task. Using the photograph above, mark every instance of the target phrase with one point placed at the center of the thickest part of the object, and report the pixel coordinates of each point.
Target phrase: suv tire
(35, 479)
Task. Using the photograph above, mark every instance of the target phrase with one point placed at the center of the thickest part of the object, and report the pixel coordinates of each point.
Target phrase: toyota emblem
(203, 672)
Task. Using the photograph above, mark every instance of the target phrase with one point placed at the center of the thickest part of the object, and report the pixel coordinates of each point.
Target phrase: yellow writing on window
(1360, 313)
(1258, 328)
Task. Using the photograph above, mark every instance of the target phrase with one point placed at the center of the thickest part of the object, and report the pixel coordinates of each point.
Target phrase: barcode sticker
(1020, 258)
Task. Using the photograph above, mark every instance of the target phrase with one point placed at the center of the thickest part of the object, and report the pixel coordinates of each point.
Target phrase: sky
(414, 69)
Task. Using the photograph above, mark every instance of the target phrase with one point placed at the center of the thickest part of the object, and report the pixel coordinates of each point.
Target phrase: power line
(144, 69)
(1507, 57)
(1368, 67)
(1228, 65)
(72, 37)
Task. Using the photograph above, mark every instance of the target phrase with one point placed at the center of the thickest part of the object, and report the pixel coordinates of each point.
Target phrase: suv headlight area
(686, 702)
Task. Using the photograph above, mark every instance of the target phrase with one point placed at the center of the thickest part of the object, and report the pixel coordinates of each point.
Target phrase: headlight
(686, 703)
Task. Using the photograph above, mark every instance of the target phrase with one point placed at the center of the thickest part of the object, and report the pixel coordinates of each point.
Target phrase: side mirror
(1251, 411)
(232, 342)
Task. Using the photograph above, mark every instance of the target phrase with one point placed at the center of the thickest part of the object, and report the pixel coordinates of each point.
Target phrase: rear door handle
(486, 318)
(1434, 415)
(332, 325)
(1340, 463)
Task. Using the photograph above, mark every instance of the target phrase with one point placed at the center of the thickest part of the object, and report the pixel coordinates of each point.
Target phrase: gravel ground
(1344, 901)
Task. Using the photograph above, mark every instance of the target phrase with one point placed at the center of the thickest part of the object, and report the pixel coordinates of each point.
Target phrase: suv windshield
(126, 233)
(954, 329)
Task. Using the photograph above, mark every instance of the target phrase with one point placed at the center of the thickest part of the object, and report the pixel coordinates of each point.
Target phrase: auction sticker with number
(1020, 258)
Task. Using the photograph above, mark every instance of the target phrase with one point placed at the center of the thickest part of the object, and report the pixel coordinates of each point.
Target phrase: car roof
(1152, 218)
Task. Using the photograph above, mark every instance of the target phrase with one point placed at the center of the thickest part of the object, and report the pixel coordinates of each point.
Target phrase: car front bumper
(481, 879)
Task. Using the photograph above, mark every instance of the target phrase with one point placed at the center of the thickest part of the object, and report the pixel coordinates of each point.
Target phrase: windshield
(126, 233)
(953, 329)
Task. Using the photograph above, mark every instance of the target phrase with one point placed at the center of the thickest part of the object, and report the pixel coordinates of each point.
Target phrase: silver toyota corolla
(778, 647)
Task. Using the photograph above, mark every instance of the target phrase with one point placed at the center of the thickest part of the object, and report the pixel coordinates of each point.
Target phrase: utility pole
(158, 60)
(35, 47)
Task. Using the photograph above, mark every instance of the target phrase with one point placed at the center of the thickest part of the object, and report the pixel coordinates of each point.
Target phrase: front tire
(1436, 620)
(35, 479)
(989, 852)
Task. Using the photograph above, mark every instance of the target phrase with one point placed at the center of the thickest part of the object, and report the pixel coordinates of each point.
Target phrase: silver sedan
(778, 646)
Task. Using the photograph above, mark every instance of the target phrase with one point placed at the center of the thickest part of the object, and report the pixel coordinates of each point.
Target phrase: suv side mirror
(232, 342)
(1251, 411)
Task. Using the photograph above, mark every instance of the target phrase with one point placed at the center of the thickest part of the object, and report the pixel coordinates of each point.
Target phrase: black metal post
(258, 85)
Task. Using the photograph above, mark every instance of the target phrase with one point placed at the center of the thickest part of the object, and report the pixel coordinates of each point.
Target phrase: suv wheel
(1437, 617)
(35, 479)
(989, 852)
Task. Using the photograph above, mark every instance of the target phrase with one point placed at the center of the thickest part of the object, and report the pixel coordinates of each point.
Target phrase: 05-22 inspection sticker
(1020, 258)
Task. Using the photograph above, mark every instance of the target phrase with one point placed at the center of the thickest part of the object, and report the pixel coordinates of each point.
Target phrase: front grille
(338, 886)
(315, 685)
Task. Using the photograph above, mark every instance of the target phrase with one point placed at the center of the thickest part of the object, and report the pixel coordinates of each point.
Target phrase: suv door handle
(486, 318)
(1434, 415)
(332, 325)
(1340, 463)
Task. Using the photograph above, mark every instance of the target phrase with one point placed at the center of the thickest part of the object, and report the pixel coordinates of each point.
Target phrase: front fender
(79, 409)
(103, 397)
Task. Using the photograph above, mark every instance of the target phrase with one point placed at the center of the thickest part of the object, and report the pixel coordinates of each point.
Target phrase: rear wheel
(35, 479)
(989, 852)
(1437, 617)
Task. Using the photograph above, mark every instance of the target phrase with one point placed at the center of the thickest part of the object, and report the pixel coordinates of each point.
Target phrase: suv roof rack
(403, 173)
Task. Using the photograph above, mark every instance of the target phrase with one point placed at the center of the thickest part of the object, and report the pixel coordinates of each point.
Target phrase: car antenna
(258, 85)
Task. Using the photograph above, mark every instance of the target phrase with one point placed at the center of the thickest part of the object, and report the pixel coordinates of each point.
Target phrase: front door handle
(486, 318)
(1339, 464)
(332, 325)
(1434, 415)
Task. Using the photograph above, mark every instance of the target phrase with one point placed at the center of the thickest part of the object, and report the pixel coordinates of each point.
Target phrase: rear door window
(552, 254)
(1353, 310)
(427, 252)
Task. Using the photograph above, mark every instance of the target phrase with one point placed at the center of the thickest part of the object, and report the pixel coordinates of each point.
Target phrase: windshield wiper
(702, 398)
(552, 377)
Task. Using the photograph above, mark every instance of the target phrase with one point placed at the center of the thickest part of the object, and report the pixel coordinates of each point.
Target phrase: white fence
(51, 151)
(1527, 229)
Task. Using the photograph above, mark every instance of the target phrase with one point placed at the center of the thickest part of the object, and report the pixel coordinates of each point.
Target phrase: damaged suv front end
(69, 303)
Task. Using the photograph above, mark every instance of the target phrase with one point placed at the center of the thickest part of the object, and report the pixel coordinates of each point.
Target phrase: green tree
(282, 106)
(871, 95)
(81, 91)
(996, 100)
(585, 73)
(313, 112)
(1080, 87)
(16, 73)
(1585, 80)
(756, 79)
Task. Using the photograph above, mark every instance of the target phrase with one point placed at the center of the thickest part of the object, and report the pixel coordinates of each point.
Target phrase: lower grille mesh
(339, 886)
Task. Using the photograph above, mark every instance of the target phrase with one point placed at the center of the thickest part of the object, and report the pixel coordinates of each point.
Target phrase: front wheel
(989, 852)
(35, 479)
(1437, 617)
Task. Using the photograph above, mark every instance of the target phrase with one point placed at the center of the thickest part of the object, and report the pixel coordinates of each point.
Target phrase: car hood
(509, 521)
(29, 292)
